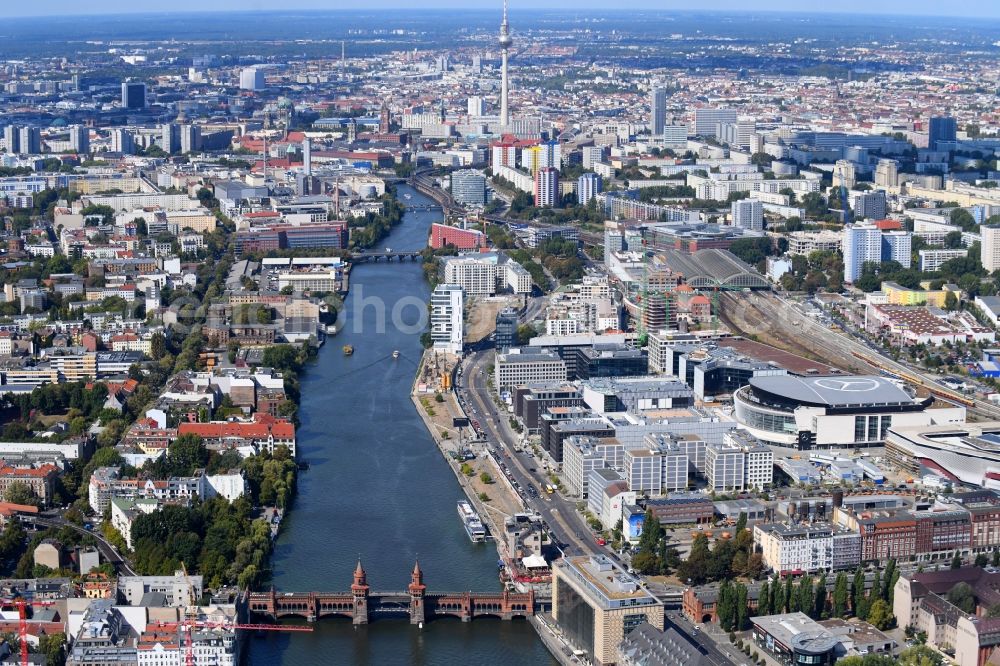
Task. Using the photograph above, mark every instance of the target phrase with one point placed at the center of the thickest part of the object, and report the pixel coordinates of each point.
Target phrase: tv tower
(505, 44)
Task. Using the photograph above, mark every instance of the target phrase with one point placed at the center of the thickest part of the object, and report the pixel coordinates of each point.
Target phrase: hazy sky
(975, 8)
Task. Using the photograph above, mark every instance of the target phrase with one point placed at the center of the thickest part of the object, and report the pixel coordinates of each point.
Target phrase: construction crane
(190, 615)
(22, 613)
(190, 622)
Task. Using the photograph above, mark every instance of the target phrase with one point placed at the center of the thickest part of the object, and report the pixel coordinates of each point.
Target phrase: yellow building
(201, 220)
(596, 603)
(896, 294)
(105, 183)
(531, 158)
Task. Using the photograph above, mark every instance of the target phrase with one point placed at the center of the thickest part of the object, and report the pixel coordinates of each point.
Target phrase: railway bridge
(362, 604)
(388, 255)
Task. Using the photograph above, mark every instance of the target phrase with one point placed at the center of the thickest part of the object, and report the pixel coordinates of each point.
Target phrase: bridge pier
(417, 589)
(360, 591)
(360, 603)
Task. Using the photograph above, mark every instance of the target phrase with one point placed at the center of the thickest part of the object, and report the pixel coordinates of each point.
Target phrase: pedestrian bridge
(362, 604)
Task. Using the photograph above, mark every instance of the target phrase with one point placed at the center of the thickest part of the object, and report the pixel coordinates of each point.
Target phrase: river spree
(379, 488)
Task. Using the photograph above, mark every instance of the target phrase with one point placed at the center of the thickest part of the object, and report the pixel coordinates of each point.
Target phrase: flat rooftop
(601, 575)
(840, 391)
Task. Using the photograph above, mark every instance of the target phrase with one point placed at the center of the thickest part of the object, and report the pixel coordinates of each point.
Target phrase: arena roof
(714, 268)
(840, 391)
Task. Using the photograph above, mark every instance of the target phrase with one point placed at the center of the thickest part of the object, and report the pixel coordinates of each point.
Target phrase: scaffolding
(655, 300)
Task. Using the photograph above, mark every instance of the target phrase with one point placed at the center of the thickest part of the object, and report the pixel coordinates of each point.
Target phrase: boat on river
(395, 353)
(470, 520)
(348, 350)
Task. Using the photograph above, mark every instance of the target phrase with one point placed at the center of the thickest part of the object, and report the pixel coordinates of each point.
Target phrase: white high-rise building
(122, 142)
(748, 214)
(252, 78)
(707, 121)
(758, 467)
(675, 136)
(887, 173)
(307, 156)
(547, 187)
(477, 107)
(868, 205)
(844, 174)
(738, 134)
(990, 247)
(170, 138)
(447, 330)
(725, 467)
(592, 155)
(79, 139)
(897, 246)
(861, 243)
(658, 111)
(190, 136)
(31, 140)
(588, 186)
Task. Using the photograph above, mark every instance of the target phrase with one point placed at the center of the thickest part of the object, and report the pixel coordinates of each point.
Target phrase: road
(558, 513)
(108, 552)
(726, 655)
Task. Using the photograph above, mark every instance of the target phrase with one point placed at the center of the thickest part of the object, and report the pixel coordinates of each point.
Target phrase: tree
(695, 567)
(789, 602)
(726, 606)
(956, 562)
(963, 218)
(742, 608)
(53, 647)
(840, 595)
(920, 655)
(889, 586)
(858, 591)
(950, 301)
(752, 250)
(880, 615)
(525, 332)
(486, 478)
(644, 562)
(157, 346)
(776, 597)
(819, 602)
(963, 597)
(806, 595)
(19, 492)
(764, 599)
(876, 590)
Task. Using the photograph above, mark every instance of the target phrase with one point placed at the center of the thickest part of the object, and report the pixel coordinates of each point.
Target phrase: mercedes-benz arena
(826, 412)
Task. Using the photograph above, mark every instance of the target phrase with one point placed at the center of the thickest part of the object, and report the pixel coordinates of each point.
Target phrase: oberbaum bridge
(362, 605)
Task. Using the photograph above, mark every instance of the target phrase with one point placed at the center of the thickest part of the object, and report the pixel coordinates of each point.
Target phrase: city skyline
(958, 9)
